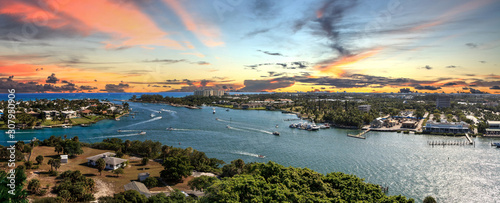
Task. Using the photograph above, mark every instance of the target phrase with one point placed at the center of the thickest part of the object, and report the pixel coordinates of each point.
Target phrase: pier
(468, 138)
(360, 135)
(444, 143)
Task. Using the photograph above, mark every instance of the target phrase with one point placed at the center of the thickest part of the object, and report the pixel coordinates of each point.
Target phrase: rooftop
(137, 186)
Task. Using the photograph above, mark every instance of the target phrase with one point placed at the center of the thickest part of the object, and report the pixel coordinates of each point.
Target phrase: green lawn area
(258, 108)
(52, 122)
(224, 106)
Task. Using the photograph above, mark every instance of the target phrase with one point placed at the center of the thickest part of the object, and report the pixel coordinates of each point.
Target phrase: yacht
(142, 133)
(67, 126)
(276, 133)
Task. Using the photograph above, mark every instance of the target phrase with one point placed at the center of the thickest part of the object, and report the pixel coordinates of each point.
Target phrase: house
(49, 115)
(112, 162)
(69, 114)
(142, 176)
(139, 187)
(85, 112)
(64, 159)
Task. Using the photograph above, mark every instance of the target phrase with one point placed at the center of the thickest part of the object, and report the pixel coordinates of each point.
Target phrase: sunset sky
(250, 45)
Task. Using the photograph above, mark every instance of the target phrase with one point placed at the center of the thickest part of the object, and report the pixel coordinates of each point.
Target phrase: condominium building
(209, 92)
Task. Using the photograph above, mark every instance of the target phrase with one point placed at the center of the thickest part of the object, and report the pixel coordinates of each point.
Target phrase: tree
(39, 159)
(118, 171)
(150, 182)
(144, 161)
(34, 186)
(56, 163)
(130, 196)
(58, 149)
(176, 168)
(51, 162)
(430, 199)
(28, 164)
(101, 165)
(202, 182)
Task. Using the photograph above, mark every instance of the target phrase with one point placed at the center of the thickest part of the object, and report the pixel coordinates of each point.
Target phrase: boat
(117, 119)
(67, 126)
(152, 115)
(276, 133)
(142, 133)
(170, 128)
(325, 126)
(293, 125)
(38, 127)
(277, 126)
(216, 119)
(227, 126)
(214, 110)
(227, 109)
(163, 109)
(497, 144)
(119, 131)
(262, 156)
(85, 125)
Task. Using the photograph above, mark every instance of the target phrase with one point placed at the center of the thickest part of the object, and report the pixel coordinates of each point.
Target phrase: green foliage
(75, 187)
(481, 127)
(39, 159)
(72, 147)
(130, 196)
(100, 165)
(176, 168)
(49, 200)
(19, 193)
(430, 199)
(144, 161)
(150, 182)
(34, 186)
(272, 182)
(118, 171)
(54, 163)
(28, 164)
(202, 182)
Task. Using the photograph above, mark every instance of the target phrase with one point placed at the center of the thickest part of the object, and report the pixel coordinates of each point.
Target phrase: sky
(250, 45)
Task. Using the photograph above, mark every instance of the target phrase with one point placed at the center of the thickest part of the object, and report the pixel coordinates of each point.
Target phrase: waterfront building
(112, 162)
(443, 101)
(364, 108)
(409, 124)
(69, 114)
(377, 123)
(445, 127)
(494, 128)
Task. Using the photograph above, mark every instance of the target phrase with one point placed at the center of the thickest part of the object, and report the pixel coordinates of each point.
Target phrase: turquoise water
(403, 162)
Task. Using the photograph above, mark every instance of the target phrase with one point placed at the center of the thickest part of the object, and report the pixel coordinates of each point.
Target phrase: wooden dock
(360, 135)
(443, 143)
(468, 138)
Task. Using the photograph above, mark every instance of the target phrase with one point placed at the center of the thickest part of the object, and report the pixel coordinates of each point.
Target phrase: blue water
(403, 162)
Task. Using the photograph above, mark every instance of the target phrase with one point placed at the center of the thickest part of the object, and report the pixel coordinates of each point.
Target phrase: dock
(360, 135)
(443, 143)
(468, 138)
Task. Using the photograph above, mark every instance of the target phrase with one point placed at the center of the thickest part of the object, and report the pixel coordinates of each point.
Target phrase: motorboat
(170, 128)
(227, 126)
(85, 125)
(293, 125)
(262, 156)
(67, 126)
(276, 133)
(152, 115)
(214, 110)
(117, 119)
(227, 109)
(119, 131)
(142, 133)
(38, 127)
(497, 144)
(277, 126)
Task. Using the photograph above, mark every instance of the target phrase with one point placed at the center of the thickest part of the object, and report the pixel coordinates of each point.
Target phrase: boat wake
(239, 129)
(110, 136)
(255, 130)
(146, 121)
(248, 154)
(243, 128)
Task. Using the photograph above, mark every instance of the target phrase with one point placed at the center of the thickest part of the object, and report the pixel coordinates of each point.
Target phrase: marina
(360, 135)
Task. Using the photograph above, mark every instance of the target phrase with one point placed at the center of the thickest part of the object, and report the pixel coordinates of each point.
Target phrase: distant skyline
(255, 45)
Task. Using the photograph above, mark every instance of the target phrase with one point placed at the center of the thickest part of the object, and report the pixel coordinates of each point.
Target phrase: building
(139, 187)
(64, 159)
(443, 101)
(377, 123)
(142, 176)
(209, 92)
(68, 114)
(112, 162)
(459, 127)
(364, 108)
(494, 128)
(409, 124)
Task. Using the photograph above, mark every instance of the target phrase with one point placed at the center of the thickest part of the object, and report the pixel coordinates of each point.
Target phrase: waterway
(403, 162)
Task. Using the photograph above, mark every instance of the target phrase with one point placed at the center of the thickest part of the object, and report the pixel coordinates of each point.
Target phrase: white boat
(117, 119)
(67, 126)
(170, 128)
(214, 110)
(227, 126)
(152, 115)
(142, 133)
(277, 126)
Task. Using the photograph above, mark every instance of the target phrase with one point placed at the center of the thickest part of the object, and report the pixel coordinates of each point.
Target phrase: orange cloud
(122, 21)
(206, 32)
(336, 67)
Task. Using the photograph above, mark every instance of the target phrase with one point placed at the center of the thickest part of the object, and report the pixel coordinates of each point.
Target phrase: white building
(364, 108)
(494, 128)
(69, 114)
(209, 92)
(112, 163)
(459, 127)
(64, 159)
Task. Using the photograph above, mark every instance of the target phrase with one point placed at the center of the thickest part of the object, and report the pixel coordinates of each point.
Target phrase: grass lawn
(115, 184)
(52, 122)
